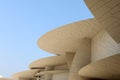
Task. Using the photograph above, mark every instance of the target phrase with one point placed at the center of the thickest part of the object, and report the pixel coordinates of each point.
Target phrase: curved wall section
(107, 68)
(107, 12)
(103, 46)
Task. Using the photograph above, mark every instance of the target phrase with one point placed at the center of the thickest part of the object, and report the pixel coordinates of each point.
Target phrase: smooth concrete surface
(67, 38)
(49, 61)
(81, 58)
(108, 68)
(6, 79)
(62, 67)
(26, 74)
(107, 12)
(69, 57)
(48, 76)
(60, 76)
(103, 46)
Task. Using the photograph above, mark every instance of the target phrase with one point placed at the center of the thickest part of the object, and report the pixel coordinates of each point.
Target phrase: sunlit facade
(85, 50)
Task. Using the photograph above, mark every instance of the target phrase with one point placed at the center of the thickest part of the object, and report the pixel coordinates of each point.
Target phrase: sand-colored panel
(81, 59)
(49, 61)
(103, 46)
(107, 12)
(60, 76)
(6, 79)
(61, 67)
(108, 68)
(68, 37)
(69, 56)
(26, 74)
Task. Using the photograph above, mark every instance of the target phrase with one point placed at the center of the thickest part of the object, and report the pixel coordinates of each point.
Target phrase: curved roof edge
(66, 38)
(107, 68)
(52, 72)
(48, 61)
(25, 74)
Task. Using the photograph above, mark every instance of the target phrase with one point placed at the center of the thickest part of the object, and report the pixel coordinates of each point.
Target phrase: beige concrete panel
(69, 57)
(61, 67)
(108, 68)
(49, 61)
(25, 74)
(60, 76)
(47, 76)
(6, 79)
(76, 76)
(68, 37)
(82, 58)
(24, 79)
(103, 46)
(107, 12)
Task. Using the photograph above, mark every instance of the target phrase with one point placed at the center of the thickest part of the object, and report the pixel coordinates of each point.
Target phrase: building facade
(85, 50)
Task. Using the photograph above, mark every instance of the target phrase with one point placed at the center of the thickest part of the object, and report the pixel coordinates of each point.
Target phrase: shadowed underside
(52, 72)
(108, 68)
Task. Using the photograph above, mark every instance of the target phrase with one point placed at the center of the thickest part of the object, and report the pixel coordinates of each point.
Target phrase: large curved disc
(108, 68)
(67, 38)
(49, 61)
(107, 13)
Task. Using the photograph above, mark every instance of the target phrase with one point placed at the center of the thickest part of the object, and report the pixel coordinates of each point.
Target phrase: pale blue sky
(22, 22)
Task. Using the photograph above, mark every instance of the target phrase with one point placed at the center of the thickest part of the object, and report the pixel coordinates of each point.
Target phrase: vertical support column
(48, 76)
(69, 57)
(81, 58)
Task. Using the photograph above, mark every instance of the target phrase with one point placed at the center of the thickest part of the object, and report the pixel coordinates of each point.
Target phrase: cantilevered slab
(108, 68)
(26, 74)
(107, 12)
(52, 72)
(49, 61)
(67, 38)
